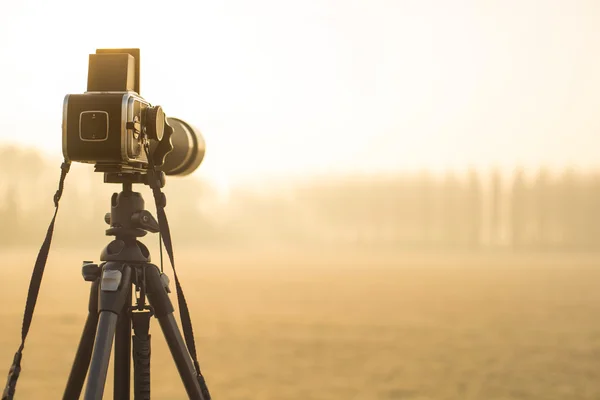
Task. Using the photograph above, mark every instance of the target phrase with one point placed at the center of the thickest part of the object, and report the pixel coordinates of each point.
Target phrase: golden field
(342, 325)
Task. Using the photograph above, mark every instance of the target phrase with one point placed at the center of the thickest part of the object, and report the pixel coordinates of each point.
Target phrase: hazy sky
(314, 86)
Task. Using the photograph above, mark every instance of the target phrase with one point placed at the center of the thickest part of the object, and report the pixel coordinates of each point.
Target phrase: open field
(327, 326)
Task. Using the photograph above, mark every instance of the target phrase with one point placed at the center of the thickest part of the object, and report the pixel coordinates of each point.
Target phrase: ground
(339, 325)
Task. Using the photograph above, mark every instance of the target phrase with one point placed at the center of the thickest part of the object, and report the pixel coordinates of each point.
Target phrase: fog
(468, 211)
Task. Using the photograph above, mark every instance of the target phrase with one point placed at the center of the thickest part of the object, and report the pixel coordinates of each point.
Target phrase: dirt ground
(293, 325)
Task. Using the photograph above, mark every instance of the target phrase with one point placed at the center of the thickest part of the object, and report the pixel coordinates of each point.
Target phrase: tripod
(126, 273)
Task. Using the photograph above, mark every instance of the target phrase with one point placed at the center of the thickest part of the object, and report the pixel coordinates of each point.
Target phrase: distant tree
(473, 210)
(451, 211)
(518, 214)
(495, 208)
(567, 209)
(542, 209)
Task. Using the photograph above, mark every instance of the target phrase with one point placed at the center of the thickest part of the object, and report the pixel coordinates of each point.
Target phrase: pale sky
(315, 86)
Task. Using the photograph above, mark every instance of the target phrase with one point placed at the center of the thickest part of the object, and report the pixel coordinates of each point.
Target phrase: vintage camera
(113, 127)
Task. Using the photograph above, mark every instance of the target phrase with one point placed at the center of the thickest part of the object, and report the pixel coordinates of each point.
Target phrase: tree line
(543, 211)
(474, 210)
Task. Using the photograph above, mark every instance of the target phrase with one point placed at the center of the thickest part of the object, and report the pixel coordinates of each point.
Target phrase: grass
(343, 326)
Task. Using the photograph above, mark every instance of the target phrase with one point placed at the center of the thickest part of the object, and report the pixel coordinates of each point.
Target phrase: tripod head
(128, 218)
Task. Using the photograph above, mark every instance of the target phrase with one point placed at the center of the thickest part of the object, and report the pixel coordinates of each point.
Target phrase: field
(344, 326)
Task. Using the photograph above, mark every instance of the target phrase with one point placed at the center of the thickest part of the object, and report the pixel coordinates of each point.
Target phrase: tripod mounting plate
(136, 177)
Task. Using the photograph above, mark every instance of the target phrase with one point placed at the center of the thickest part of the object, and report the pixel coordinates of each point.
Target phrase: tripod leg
(163, 309)
(101, 356)
(122, 363)
(84, 351)
(115, 286)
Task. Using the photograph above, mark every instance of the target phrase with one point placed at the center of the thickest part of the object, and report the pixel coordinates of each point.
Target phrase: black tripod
(126, 270)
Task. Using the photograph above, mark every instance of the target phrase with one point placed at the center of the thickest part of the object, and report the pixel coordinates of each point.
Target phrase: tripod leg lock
(114, 286)
(111, 279)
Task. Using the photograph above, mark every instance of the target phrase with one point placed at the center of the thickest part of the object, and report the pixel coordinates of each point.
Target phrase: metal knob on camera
(155, 123)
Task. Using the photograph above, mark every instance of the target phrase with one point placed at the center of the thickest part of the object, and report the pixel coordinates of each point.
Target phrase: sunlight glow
(283, 88)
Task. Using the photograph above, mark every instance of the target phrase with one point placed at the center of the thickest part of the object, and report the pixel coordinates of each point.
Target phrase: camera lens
(188, 149)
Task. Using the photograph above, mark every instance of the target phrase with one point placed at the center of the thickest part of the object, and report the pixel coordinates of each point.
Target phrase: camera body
(105, 128)
(111, 125)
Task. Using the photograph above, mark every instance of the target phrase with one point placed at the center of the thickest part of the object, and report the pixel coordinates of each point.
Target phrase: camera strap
(34, 289)
(186, 322)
